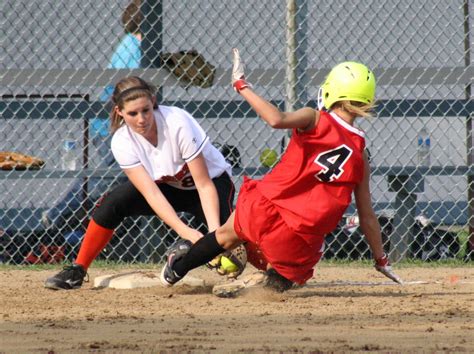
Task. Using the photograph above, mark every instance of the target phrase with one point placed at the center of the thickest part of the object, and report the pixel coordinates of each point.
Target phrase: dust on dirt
(342, 309)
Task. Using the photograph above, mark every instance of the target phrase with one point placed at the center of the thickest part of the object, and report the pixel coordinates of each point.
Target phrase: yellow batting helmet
(347, 81)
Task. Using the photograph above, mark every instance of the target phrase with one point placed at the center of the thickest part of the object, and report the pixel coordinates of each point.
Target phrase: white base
(140, 279)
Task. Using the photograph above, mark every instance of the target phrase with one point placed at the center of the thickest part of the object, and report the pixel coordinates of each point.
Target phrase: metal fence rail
(420, 51)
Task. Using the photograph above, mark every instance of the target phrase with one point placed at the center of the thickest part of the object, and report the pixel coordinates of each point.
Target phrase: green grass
(409, 263)
(96, 264)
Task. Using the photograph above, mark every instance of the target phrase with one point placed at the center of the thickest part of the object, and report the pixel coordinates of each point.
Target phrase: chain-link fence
(58, 59)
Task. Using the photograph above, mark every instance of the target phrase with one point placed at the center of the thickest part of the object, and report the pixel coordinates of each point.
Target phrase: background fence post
(152, 46)
(152, 32)
(469, 133)
(296, 57)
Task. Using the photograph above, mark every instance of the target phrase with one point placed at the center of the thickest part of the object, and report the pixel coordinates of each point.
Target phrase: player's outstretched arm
(370, 225)
(304, 118)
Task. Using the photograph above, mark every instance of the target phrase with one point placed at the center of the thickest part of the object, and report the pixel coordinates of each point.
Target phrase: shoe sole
(167, 254)
(237, 287)
(54, 286)
(164, 282)
(228, 291)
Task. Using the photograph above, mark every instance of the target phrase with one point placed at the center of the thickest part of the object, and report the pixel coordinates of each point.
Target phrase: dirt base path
(363, 312)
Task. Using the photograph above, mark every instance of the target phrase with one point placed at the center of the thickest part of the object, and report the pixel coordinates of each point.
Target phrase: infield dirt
(328, 315)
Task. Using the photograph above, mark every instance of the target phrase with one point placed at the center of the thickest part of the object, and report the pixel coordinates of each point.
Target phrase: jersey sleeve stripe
(131, 165)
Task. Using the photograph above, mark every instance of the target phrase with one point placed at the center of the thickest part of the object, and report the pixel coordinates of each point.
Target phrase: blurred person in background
(69, 213)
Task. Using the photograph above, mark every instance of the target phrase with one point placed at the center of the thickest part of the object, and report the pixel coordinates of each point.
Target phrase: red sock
(95, 239)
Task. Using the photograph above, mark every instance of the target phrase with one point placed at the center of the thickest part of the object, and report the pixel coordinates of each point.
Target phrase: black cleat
(179, 249)
(71, 277)
(278, 282)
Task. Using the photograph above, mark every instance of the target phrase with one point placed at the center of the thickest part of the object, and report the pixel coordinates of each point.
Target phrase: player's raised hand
(238, 75)
(383, 266)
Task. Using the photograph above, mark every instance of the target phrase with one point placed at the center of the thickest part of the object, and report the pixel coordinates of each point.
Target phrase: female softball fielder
(171, 166)
(284, 217)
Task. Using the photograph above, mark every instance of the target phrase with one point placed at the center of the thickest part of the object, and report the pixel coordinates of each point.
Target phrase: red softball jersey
(312, 185)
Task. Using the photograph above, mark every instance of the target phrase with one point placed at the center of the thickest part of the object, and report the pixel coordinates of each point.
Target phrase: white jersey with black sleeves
(180, 140)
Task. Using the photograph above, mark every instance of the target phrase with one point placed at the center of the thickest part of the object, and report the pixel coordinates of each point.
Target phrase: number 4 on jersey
(332, 162)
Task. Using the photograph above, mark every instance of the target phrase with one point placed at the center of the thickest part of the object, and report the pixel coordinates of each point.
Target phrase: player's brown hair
(132, 17)
(129, 89)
